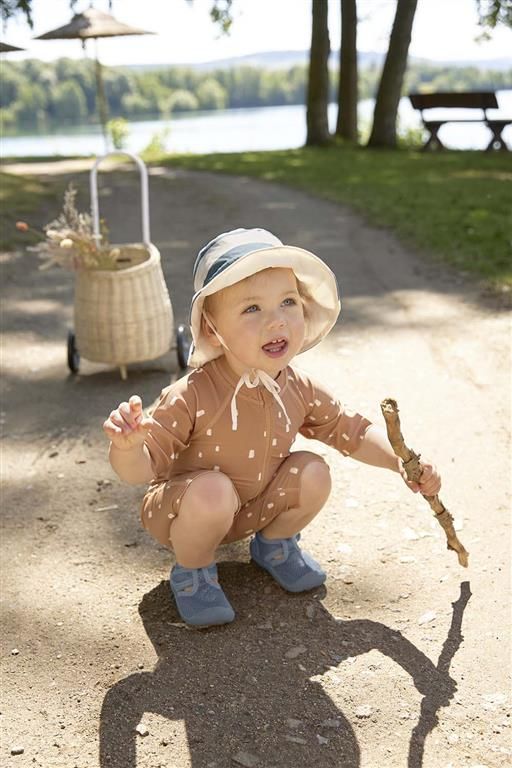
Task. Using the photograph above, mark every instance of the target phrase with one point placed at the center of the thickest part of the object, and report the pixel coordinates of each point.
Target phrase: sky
(443, 30)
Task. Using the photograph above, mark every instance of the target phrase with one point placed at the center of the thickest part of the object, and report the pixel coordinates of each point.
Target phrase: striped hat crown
(240, 253)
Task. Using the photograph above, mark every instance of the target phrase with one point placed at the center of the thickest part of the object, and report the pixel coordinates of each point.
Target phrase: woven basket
(124, 316)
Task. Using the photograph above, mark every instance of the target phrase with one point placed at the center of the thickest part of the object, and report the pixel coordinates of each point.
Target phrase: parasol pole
(100, 93)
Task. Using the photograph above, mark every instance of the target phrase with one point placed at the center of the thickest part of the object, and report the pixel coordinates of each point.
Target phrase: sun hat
(233, 256)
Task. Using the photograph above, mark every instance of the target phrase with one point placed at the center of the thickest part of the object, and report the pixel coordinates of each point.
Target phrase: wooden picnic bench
(483, 100)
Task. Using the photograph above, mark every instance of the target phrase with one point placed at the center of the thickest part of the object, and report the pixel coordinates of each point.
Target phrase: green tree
(69, 102)
(182, 101)
(211, 94)
(346, 124)
(31, 104)
(494, 12)
(318, 78)
(384, 132)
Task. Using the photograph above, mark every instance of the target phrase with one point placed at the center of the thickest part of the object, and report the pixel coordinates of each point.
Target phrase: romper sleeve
(173, 424)
(327, 420)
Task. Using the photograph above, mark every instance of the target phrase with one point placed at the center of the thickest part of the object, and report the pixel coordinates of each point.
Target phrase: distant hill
(287, 59)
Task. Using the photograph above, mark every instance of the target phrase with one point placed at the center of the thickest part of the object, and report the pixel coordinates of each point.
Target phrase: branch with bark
(413, 469)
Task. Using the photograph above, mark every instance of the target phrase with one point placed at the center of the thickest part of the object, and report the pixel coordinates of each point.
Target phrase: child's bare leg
(315, 487)
(206, 515)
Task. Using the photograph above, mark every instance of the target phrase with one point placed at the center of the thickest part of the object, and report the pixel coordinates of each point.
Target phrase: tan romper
(193, 434)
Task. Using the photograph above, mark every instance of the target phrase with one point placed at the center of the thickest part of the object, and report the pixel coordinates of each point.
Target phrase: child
(216, 450)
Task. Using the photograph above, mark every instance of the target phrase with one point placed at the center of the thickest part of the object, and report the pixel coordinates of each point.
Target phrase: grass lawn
(21, 196)
(456, 206)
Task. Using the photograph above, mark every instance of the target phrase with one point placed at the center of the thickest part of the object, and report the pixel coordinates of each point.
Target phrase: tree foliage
(494, 12)
(30, 96)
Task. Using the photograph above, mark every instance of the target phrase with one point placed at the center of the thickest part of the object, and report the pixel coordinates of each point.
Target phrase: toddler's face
(261, 319)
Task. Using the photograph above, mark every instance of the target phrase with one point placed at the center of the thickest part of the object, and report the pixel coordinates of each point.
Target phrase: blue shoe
(293, 569)
(199, 596)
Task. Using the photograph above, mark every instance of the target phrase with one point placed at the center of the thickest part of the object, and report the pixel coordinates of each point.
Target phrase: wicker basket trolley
(124, 315)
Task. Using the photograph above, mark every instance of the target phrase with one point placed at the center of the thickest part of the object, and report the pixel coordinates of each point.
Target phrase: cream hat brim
(321, 299)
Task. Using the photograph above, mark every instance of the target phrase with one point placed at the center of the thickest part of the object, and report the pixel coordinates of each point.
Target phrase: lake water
(238, 130)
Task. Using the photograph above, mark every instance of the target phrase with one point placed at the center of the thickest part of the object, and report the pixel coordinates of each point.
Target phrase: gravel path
(403, 660)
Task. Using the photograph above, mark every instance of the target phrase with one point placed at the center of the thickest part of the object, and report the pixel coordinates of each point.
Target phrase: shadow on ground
(237, 690)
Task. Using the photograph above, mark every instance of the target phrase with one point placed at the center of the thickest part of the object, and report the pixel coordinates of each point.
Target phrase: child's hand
(430, 480)
(125, 427)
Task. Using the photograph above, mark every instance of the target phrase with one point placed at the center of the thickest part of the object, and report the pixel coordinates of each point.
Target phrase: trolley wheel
(73, 353)
(183, 342)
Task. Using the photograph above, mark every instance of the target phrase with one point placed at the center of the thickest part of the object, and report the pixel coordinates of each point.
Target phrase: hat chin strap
(259, 377)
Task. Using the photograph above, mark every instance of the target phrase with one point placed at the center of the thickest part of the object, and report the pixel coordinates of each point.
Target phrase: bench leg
(497, 141)
(433, 142)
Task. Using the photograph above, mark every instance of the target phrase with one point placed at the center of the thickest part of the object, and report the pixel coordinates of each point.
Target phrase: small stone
(310, 611)
(61, 476)
(17, 750)
(297, 650)
(296, 739)
(363, 711)
(331, 723)
(142, 729)
(53, 454)
(246, 759)
(322, 739)
(493, 700)
(427, 617)
(265, 625)
(140, 666)
(293, 724)
(14, 652)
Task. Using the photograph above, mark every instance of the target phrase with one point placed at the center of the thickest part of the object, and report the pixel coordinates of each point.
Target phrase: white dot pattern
(251, 454)
(175, 423)
(274, 441)
(294, 470)
(209, 432)
(199, 414)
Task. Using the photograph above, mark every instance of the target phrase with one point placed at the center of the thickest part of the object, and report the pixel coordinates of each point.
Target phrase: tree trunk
(388, 95)
(346, 124)
(318, 79)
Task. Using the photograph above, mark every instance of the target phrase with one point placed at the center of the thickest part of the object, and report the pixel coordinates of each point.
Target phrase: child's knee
(213, 494)
(315, 482)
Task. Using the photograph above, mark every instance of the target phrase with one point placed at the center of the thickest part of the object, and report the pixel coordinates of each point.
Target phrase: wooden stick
(413, 469)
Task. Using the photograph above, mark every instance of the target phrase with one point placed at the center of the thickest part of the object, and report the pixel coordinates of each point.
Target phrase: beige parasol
(93, 23)
(6, 48)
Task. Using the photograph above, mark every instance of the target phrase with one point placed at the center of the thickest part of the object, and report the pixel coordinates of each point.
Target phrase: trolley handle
(93, 180)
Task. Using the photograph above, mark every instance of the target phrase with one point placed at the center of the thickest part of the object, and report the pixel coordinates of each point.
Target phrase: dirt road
(402, 660)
